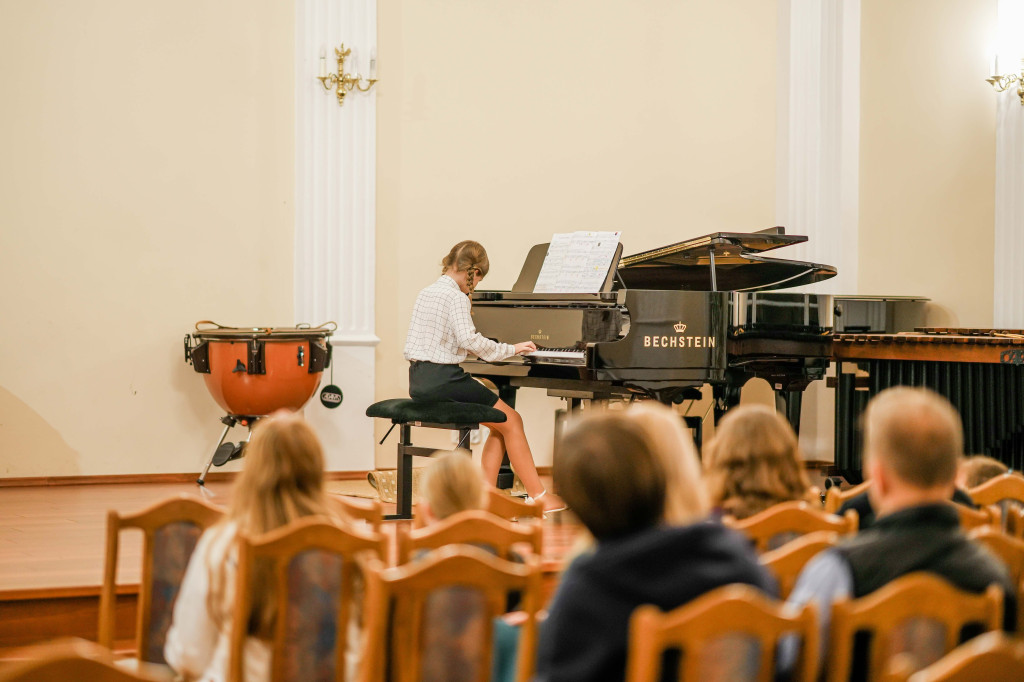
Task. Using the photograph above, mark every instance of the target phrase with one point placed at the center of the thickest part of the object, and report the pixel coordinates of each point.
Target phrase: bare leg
(519, 455)
(490, 458)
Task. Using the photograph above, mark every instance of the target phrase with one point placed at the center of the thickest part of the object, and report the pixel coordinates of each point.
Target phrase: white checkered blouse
(442, 330)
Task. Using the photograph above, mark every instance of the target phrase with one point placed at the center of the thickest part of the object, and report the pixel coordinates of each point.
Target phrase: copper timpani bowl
(254, 371)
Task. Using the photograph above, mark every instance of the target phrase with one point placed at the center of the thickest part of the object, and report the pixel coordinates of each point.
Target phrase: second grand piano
(666, 322)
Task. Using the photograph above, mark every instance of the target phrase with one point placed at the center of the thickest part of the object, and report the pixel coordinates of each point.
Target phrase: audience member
(977, 469)
(453, 484)
(754, 462)
(616, 470)
(282, 481)
(913, 440)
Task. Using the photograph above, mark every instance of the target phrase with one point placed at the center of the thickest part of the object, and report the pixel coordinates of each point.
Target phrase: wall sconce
(1002, 83)
(346, 82)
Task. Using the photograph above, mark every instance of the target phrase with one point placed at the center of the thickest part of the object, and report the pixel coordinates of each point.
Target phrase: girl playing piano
(441, 333)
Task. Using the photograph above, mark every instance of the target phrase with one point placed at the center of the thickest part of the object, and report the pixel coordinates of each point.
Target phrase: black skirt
(431, 381)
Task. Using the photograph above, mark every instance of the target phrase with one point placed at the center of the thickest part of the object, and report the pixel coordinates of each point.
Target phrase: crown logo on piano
(679, 327)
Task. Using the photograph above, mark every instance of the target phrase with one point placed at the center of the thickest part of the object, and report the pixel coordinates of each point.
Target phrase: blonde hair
(453, 484)
(282, 481)
(754, 462)
(916, 433)
(470, 257)
(685, 497)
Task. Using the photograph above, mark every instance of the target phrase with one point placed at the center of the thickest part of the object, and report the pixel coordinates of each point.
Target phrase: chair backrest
(507, 507)
(370, 511)
(975, 518)
(433, 620)
(834, 497)
(729, 633)
(995, 490)
(67, 659)
(1011, 551)
(992, 657)
(171, 529)
(313, 564)
(919, 614)
(1006, 491)
(473, 527)
(783, 522)
(789, 560)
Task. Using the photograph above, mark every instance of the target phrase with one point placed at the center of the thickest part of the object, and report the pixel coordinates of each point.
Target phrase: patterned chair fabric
(311, 620)
(173, 545)
(734, 657)
(455, 630)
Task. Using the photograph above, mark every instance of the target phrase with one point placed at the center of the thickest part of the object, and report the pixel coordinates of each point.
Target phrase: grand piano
(666, 322)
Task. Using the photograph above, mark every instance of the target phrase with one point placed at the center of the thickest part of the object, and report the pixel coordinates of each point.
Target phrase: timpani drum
(253, 371)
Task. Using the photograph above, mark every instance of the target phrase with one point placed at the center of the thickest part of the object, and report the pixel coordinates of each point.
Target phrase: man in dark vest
(913, 440)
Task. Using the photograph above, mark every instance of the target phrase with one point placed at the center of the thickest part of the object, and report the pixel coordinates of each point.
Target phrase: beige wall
(146, 183)
(147, 178)
(927, 164)
(509, 121)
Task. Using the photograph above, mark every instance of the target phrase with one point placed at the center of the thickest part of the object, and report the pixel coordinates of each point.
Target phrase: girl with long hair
(753, 463)
(441, 335)
(283, 480)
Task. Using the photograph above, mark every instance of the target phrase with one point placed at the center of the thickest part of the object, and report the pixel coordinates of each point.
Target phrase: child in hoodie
(633, 480)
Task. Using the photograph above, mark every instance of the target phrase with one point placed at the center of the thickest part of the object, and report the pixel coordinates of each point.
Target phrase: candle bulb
(995, 65)
(373, 63)
(354, 62)
(323, 63)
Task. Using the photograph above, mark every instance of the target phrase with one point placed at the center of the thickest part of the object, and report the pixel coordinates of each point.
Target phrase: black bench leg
(506, 477)
(464, 440)
(404, 498)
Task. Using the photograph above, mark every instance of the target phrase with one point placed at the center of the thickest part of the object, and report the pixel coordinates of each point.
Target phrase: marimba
(980, 371)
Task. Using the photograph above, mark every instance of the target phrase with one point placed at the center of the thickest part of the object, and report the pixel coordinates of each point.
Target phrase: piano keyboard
(567, 356)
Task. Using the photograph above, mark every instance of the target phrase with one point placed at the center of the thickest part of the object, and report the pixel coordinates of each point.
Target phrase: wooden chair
(834, 497)
(727, 634)
(507, 507)
(1007, 492)
(314, 568)
(919, 614)
(992, 657)
(171, 529)
(472, 527)
(1011, 552)
(789, 560)
(976, 518)
(431, 618)
(67, 659)
(369, 511)
(791, 519)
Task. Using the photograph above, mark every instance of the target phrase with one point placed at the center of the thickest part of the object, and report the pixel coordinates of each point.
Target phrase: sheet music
(577, 262)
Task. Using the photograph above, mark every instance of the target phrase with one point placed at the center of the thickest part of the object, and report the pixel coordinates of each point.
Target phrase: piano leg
(788, 403)
(506, 477)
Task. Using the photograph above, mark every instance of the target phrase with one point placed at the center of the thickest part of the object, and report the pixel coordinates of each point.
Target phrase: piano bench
(442, 414)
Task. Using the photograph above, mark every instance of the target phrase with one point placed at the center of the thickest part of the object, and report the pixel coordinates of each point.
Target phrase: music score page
(577, 262)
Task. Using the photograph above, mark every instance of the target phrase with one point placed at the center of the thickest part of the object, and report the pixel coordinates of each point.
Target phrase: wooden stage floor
(52, 548)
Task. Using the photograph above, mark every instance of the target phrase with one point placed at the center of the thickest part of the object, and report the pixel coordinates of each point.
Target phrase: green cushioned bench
(406, 413)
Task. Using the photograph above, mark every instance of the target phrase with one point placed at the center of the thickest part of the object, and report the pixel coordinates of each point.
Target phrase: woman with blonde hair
(441, 335)
(283, 480)
(754, 462)
(632, 479)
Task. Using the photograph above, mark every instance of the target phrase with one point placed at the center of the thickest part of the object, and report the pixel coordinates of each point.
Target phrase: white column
(817, 160)
(335, 196)
(1008, 275)
(819, 133)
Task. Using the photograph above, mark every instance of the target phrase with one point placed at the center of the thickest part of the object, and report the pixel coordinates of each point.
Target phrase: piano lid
(722, 261)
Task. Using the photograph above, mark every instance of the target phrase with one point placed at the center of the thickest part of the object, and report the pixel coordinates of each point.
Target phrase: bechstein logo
(540, 336)
(679, 339)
